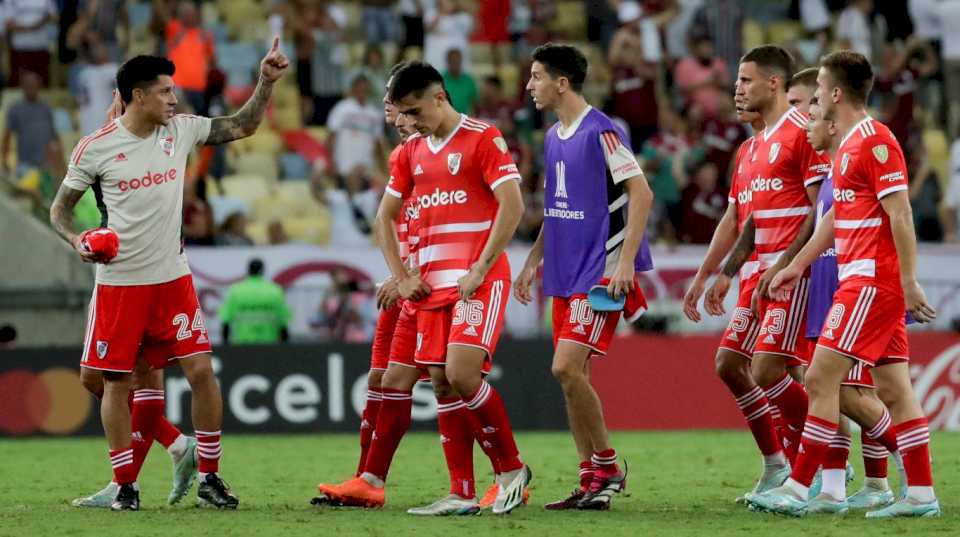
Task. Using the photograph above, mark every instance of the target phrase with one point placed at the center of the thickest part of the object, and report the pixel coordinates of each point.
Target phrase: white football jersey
(138, 183)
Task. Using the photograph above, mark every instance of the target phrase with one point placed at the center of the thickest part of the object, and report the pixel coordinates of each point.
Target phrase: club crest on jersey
(453, 162)
(101, 349)
(881, 153)
(166, 144)
(844, 162)
(500, 143)
(774, 151)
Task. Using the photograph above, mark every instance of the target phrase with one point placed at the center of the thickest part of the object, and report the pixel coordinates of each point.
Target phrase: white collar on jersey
(853, 130)
(768, 132)
(443, 143)
(563, 135)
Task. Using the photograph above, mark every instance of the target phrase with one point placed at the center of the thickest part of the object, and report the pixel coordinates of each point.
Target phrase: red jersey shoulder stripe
(82, 146)
(797, 119)
(467, 120)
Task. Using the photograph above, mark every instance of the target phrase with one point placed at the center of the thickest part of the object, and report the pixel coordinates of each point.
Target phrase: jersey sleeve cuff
(887, 191)
(76, 184)
(505, 178)
(393, 193)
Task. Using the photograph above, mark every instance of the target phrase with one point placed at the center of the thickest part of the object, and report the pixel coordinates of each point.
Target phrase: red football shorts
(741, 333)
(575, 321)
(867, 323)
(383, 336)
(163, 322)
(475, 323)
(783, 326)
(404, 344)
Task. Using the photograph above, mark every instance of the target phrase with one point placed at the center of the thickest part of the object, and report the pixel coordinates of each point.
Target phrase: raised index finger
(276, 43)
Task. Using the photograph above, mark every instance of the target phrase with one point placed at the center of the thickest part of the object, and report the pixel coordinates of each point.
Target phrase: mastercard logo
(52, 401)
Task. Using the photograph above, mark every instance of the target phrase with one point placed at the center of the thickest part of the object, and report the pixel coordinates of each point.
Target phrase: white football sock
(178, 447)
(835, 483)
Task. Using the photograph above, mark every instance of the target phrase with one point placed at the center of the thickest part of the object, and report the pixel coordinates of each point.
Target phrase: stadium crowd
(664, 68)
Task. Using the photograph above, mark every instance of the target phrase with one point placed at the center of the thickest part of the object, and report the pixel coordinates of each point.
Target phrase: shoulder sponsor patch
(500, 143)
(881, 152)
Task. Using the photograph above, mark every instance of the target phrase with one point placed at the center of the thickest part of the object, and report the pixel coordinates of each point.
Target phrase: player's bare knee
(463, 380)
(92, 380)
(375, 378)
(733, 371)
(198, 370)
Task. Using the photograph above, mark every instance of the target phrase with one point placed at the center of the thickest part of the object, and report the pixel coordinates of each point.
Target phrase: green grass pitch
(680, 483)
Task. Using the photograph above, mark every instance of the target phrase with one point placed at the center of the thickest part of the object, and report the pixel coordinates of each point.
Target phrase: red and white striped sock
(913, 438)
(883, 433)
(587, 469)
(756, 410)
(392, 423)
(790, 397)
(456, 439)
(489, 410)
(122, 462)
(874, 457)
(208, 451)
(817, 434)
(368, 423)
(605, 461)
(147, 409)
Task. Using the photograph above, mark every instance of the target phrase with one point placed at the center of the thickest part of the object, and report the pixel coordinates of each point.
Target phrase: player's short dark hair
(565, 61)
(255, 268)
(771, 59)
(414, 78)
(805, 77)
(141, 72)
(851, 72)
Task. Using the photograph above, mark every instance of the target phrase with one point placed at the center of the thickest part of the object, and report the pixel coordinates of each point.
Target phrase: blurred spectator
(28, 36)
(490, 102)
(191, 49)
(379, 21)
(8, 336)
(517, 145)
(722, 21)
(461, 87)
(950, 217)
(854, 29)
(100, 23)
(703, 77)
(276, 234)
(448, 26)
(96, 83)
(532, 219)
(198, 227)
(702, 205)
(411, 14)
(346, 313)
(814, 16)
(924, 14)
(720, 138)
(633, 95)
(31, 121)
(373, 67)
(677, 31)
(356, 133)
(949, 12)
(233, 232)
(492, 26)
(352, 203)
(925, 195)
(254, 310)
(602, 21)
(664, 159)
(896, 85)
(321, 57)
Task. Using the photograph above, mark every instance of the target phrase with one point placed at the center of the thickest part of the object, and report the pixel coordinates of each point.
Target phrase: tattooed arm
(248, 118)
(741, 250)
(245, 121)
(61, 218)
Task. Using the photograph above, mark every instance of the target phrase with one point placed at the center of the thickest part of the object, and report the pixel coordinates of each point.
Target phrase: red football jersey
(406, 234)
(784, 164)
(868, 166)
(452, 182)
(740, 196)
